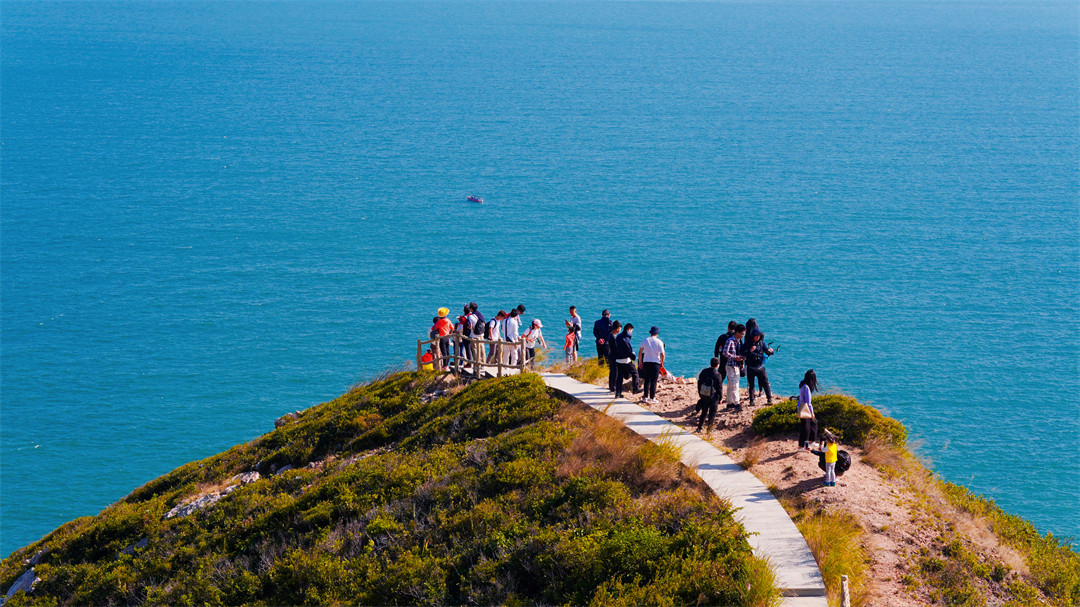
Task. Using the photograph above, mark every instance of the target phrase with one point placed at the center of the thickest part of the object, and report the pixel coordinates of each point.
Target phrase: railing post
(498, 357)
(418, 356)
(457, 354)
(845, 594)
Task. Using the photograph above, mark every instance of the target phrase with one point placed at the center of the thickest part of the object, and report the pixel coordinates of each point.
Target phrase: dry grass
(752, 453)
(837, 543)
(886, 456)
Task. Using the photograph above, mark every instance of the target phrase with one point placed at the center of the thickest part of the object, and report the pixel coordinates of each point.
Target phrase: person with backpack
(808, 425)
(718, 349)
(710, 387)
(477, 325)
(613, 367)
(491, 333)
(651, 355)
(756, 354)
(733, 361)
(624, 359)
(601, 330)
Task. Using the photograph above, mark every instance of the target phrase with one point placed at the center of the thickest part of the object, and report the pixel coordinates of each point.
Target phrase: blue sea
(214, 213)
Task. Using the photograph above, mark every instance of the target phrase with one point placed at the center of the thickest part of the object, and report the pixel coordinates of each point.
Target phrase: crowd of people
(740, 352)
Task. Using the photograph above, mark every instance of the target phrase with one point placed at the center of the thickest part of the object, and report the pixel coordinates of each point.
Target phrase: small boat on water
(474, 199)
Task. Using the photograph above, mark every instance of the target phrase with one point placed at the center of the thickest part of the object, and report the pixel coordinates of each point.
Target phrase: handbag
(804, 412)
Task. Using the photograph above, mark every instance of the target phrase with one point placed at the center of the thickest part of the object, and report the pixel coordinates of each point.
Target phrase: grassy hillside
(413, 491)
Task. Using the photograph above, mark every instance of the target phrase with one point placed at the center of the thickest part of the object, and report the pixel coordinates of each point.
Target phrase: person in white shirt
(651, 355)
(495, 330)
(531, 337)
(575, 321)
(510, 335)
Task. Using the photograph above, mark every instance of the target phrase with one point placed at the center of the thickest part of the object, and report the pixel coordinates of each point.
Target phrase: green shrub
(456, 499)
(854, 422)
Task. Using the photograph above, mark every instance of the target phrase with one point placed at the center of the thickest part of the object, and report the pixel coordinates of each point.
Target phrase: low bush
(854, 422)
(494, 494)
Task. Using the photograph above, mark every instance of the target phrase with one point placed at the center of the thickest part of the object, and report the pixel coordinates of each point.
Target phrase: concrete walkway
(772, 534)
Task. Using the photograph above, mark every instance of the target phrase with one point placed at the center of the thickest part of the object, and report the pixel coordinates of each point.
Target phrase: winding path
(772, 534)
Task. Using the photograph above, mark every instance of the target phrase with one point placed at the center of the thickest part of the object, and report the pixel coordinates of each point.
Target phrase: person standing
(443, 328)
(710, 388)
(494, 330)
(476, 324)
(613, 367)
(510, 335)
(601, 331)
(808, 424)
(531, 338)
(575, 322)
(718, 349)
(652, 357)
(568, 345)
(756, 354)
(624, 360)
(733, 360)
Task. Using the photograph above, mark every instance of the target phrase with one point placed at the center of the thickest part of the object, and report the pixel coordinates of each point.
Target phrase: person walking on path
(531, 338)
(510, 335)
(733, 360)
(624, 360)
(575, 321)
(651, 355)
(613, 367)
(756, 354)
(710, 387)
(718, 349)
(601, 331)
(829, 451)
(808, 425)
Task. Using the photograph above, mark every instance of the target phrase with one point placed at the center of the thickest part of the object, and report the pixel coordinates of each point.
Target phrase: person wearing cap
(624, 360)
(530, 337)
(651, 355)
(601, 330)
(443, 328)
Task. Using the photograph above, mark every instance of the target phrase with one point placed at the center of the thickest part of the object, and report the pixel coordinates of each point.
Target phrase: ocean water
(217, 212)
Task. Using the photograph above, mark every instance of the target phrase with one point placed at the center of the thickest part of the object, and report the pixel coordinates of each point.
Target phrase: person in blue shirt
(756, 353)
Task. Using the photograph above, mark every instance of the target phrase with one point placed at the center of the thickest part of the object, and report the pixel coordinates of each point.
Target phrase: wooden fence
(456, 361)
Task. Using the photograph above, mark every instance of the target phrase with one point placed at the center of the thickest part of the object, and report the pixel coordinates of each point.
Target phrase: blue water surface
(217, 212)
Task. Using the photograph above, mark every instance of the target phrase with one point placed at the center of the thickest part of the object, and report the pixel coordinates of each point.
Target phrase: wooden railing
(456, 361)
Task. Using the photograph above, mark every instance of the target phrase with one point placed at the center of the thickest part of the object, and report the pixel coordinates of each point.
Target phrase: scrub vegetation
(414, 490)
(965, 551)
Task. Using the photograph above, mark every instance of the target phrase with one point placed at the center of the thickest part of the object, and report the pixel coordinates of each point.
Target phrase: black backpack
(843, 462)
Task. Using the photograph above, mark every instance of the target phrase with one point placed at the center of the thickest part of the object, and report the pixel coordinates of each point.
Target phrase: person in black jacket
(601, 329)
(613, 369)
(624, 360)
(707, 405)
(718, 349)
(756, 353)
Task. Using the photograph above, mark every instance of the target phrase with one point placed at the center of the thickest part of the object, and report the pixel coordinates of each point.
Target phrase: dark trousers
(612, 375)
(807, 431)
(601, 353)
(627, 370)
(650, 372)
(708, 409)
(763, 377)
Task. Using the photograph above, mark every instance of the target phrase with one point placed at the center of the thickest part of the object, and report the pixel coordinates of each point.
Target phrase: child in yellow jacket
(829, 451)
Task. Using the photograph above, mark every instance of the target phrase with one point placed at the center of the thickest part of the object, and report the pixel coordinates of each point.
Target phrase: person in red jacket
(443, 328)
